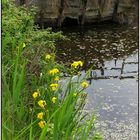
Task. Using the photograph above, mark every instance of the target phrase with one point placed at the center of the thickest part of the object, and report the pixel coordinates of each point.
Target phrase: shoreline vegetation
(36, 104)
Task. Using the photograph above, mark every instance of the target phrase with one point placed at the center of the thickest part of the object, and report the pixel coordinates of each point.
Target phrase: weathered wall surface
(83, 11)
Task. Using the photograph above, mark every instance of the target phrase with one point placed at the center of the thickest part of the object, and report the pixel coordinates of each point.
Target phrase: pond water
(112, 52)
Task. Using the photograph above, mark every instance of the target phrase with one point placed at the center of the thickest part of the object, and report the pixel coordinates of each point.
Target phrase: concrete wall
(56, 12)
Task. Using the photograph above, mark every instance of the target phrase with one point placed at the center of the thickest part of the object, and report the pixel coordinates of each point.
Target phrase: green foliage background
(21, 68)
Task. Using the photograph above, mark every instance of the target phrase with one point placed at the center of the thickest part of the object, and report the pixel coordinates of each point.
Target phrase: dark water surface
(112, 52)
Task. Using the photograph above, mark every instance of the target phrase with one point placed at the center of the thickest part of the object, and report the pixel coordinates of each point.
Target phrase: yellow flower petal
(48, 56)
(84, 84)
(36, 94)
(56, 78)
(80, 63)
(53, 71)
(42, 103)
(54, 99)
(40, 115)
(54, 86)
(77, 64)
(41, 124)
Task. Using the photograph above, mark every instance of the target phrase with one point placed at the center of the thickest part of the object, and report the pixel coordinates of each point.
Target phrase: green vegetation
(37, 102)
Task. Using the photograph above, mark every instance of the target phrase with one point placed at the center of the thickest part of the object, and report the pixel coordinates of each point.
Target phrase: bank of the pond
(112, 52)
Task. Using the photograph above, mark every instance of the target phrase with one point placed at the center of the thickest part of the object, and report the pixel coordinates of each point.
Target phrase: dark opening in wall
(70, 22)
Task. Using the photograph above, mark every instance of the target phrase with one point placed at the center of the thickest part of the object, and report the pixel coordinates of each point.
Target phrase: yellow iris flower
(77, 64)
(54, 99)
(36, 94)
(54, 86)
(48, 56)
(41, 124)
(42, 103)
(84, 84)
(40, 115)
(54, 71)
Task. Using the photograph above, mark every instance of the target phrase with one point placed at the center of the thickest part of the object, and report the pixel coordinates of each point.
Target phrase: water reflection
(112, 52)
(98, 45)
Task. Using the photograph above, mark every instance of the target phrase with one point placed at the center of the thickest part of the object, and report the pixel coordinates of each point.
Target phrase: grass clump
(37, 102)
